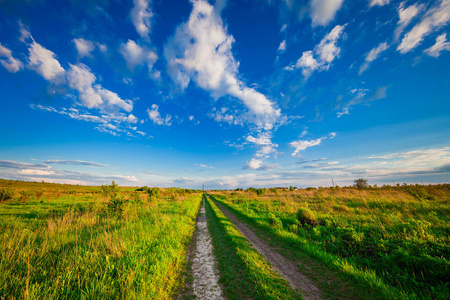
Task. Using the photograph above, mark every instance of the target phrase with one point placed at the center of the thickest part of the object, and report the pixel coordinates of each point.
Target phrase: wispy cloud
(372, 55)
(434, 19)
(440, 45)
(10, 63)
(301, 145)
(74, 163)
(326, 52)
(141, 15)
(204, 166)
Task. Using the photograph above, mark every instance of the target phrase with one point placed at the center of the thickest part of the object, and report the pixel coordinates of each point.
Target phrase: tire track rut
(286, 267)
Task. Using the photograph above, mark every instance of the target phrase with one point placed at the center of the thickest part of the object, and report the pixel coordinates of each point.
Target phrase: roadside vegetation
(243, 271)
(389, 242)
(109, 242)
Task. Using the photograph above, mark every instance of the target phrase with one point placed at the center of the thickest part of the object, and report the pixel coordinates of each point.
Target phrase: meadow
(388, 242)
(78, 242)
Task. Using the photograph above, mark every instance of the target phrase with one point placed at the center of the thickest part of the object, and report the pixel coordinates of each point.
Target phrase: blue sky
(225, 93)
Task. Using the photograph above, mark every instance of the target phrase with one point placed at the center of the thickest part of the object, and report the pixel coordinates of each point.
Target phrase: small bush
(111, 190)
(274, 222)
(306, 216)
(153, 193)
(6, 194)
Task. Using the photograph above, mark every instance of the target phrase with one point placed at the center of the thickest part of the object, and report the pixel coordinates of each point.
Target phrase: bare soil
(204, 269)
(285, 267)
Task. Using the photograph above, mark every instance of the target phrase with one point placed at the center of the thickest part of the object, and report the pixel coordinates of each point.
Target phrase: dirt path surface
(285, 267)
(204, 264)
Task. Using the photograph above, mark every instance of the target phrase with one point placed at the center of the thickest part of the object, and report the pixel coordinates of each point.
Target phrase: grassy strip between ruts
(243, 271)
(366, 283)
(88, 254)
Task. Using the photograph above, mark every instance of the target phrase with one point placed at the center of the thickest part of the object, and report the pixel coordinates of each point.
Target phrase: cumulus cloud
(81, 79)
(200, 51)
(326, 52)
(434, 19)
(136, 55)
(322, 12)
(10, 63)
(301, 145)
(141, 15)
(378, 2)
(132, 119)
(440, 45)
(406, 14)
(84, 47)
(155, 116)
(373, 55)
(44, 62)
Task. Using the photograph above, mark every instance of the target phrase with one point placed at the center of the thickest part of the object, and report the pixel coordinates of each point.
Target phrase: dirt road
(285, 267)
(204, 266)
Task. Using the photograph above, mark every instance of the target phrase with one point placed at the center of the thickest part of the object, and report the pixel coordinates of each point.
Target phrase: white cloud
(201, 50)
(141, 14)
(282, 46)
(301, 145)
(136, 55)
(435, 18)
(327, 51)
(10, 63)
(322, 12)
(204, 166)
(373, 55)
(378, 2)
(254, 164)
(81, 79)
(307, 63)
(155, 116)
(441, 45)
(132, 119)
(405, 17)
(43, 61)
(84, 47)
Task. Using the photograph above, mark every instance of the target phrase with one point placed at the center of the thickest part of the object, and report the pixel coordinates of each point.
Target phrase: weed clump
(274, 222)
(6, 194)
(306, 216)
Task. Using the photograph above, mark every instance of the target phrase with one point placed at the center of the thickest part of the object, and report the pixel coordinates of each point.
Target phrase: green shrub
(6, 194)
(306, 216)
(111, 190)
(153, 193)
(275, 222)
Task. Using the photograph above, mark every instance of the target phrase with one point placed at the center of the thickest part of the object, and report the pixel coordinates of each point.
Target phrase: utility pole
(332, 181)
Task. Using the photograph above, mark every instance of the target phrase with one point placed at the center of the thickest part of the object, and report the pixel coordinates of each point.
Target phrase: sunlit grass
(67, 246)
(395, 239)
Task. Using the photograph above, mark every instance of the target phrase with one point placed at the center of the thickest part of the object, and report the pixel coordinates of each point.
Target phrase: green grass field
(68, 243)
(391, 242)
(86, 242)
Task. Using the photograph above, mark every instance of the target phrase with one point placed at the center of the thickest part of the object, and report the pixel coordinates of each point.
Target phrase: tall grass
(244, 272)
(71, 247)
(395, 239)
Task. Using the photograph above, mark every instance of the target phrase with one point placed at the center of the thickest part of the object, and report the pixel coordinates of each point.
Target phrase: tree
(361, 183)
(291, 188)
